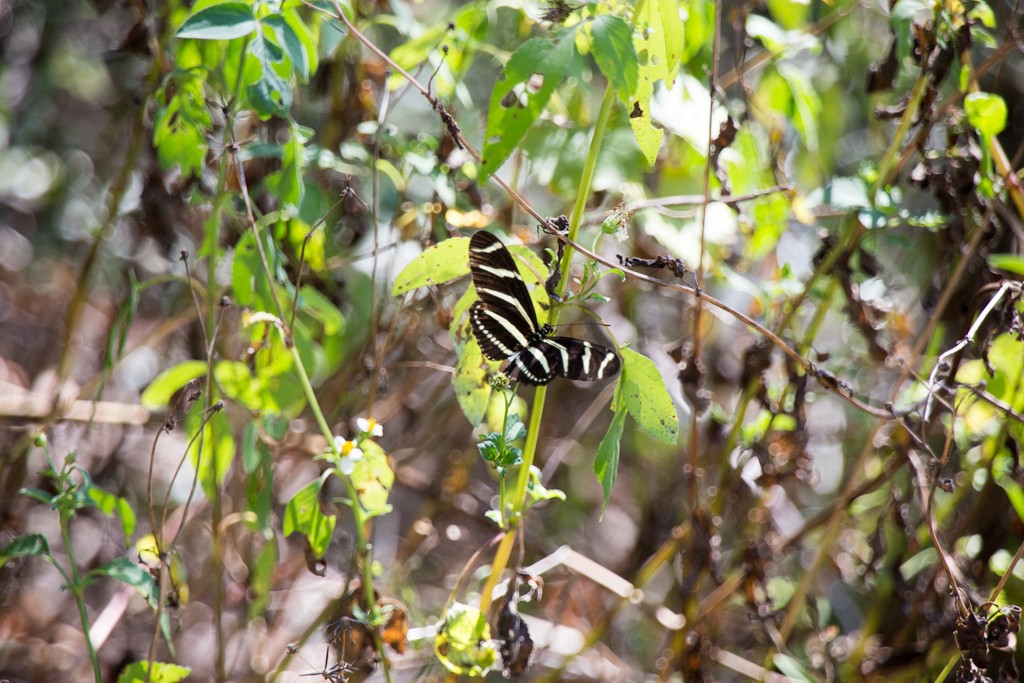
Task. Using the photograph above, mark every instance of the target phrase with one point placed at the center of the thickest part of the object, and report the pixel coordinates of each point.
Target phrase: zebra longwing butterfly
(505, 324)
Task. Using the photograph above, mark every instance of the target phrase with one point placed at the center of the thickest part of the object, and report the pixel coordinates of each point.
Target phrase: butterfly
(505, 324)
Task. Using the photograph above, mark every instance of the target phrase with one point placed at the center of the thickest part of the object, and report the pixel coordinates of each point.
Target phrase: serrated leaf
(159, 672)
(437, 264)
(614, 53)
(528, 80)
(606, 463)
(29, 545)
(223, 21)
(303, 515)
(645, 397)
(159, 392)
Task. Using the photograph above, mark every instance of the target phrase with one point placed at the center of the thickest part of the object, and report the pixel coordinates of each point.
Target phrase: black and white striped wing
(503, 319)
(566, 356)
(505, 324)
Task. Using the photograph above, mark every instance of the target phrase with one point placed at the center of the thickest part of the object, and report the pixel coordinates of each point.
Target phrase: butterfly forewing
(505, 324)
(498, 282)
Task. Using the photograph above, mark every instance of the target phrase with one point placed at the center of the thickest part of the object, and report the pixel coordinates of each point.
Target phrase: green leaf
(248, 282)
(303, 515)
(614, 53)
(259, 488)
(295, 37)
(223, 21)
(805, 104)
(497, 449)
(983, 13)
(239, 384)
(29, 545)
(213, 452)
(287, 183)
(986, 112)
(1012, 263)
(469, 382)
(528, 80)
(658, 40)
(118, 335)
(373, 478)
(1006, 356)
(261, 580)
(159, 392)
(437, 264)
(159, 672)
(537, 491)
(250, 456)
(110, 504)
(467, 29)
(791, 14)
(181, 122)
(606, 463)
(463, 643)
(269, 93)
(645, 397)
(44, 497)
(131, 573)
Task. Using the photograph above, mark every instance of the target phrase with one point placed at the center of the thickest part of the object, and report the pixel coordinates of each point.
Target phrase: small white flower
(370, 426)
(349, 452)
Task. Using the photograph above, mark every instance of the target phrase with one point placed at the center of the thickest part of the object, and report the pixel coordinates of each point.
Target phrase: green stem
(359, 517)
(504, 551)
(887, 165)
(210, 242)
(78, 590)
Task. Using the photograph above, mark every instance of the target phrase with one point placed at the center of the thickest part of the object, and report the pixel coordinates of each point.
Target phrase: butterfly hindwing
(565, 356)
(505, 324)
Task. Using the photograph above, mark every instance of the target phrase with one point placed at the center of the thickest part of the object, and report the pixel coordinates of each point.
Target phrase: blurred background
(786, 533)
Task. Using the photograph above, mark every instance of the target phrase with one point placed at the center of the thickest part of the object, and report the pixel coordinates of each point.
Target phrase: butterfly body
(505, 324)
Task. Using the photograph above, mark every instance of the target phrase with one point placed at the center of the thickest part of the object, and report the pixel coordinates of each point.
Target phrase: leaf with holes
(658, 41)
(520, 96)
